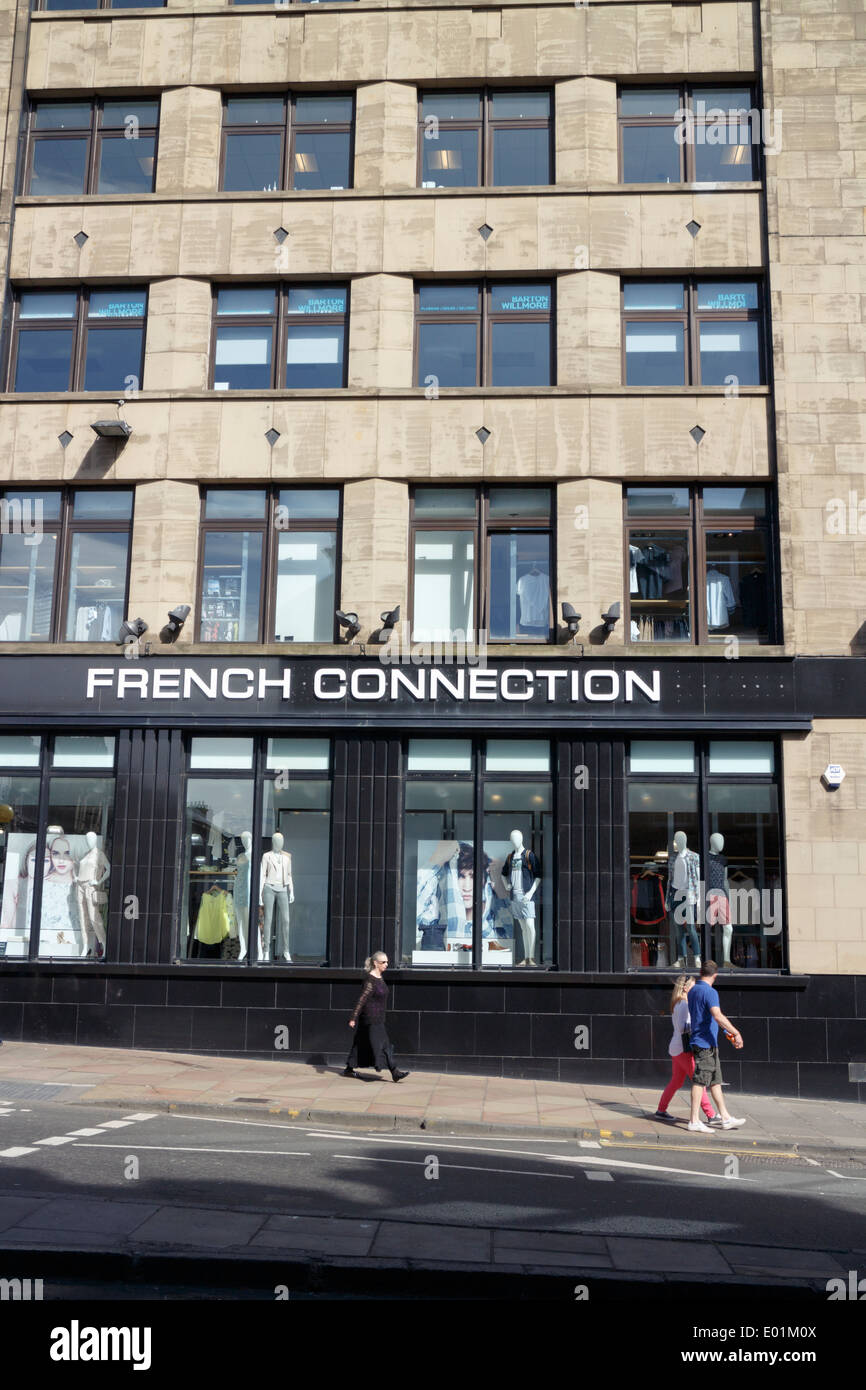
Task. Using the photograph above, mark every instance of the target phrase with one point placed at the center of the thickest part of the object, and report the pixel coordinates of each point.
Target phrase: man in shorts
(706, 1016)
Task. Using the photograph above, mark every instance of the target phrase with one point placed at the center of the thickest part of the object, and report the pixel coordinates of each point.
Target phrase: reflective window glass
(231, 586)
(224, 503)
(97, 586)
(444, 585)
(651, 154)
(17, 859)
(655, 353)
(77, 868)
(306, 580)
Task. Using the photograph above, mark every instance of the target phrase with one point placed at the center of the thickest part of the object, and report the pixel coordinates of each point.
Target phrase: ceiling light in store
(306, 163)
(446, 159)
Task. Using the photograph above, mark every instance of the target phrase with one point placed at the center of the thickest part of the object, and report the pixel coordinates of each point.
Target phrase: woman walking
(682, 1061)
(371, 1046)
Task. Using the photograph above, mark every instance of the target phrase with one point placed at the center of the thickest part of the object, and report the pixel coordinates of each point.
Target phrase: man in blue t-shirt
(705, 1016)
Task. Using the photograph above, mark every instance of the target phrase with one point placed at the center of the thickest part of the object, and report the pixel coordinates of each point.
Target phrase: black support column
(367, 849)
(591, 855)
(147, 843)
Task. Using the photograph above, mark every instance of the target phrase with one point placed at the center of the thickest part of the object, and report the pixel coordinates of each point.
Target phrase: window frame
(94, 133)
(481, 528)
(279, 320)
(695, 527)
(485, 125)
(687, 93)
(477, 777)
(257, 775)
(68, 527)
(691, 317)
(484, 318)
(40, 6)
(703, 780)
(287, 131)
(80, 327)
(45, 774)
(270, 553)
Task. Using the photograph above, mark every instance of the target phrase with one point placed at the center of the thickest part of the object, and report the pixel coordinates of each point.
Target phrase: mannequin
(276, 891)
(681, 897)
(91, 873)
(522, 874)
(718, 902)
(242, 892)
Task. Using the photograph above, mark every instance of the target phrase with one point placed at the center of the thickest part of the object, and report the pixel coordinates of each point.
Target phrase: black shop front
(199, 852)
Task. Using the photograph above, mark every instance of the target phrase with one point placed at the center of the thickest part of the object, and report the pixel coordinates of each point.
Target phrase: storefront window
(77, 867)
(61, 822)
(19, 807)
(705, 873)
(257, 895)
(477, 894)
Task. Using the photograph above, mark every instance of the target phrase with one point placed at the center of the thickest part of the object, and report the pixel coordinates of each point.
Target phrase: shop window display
(451, 882)
(704, 856)
(258, 896)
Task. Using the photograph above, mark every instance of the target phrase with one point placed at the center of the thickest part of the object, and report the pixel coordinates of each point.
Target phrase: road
(714, 1190)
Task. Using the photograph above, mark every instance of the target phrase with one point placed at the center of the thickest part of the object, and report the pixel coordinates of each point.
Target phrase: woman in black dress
(371, 1046)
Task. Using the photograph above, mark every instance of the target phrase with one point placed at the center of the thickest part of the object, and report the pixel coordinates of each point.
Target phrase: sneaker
(663, 1115)
(699, 1127)
(731, 1123)
(399, 1075)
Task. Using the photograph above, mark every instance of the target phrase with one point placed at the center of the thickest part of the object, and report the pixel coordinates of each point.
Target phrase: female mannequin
(522, 873)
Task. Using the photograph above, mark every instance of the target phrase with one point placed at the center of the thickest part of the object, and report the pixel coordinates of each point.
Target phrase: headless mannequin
(242, 892)
(276, 891)
(521, 910)
(680, 902)
(91, 873)
(717, 844)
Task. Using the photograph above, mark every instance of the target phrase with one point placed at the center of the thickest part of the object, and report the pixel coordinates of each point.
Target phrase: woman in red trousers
(682, 1061)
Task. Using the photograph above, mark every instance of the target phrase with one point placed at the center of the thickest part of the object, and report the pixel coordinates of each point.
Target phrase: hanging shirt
(533, 590)
(213, 922)
(720, 599)
(84, 619)
(634, 555)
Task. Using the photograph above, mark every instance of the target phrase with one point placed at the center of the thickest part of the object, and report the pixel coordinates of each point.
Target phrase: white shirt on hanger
(720, 599)
(533, 590)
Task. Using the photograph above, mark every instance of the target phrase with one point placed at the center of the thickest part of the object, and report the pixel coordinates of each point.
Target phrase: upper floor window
(688, 134)
(78, 340)
(91, 147)
(269, 564)
(269, 336)
(481, 561)
(699, 563)
(64, 563)
(287, 141)
(466, 139)
(692, 332)
(98, 4)
(480, 334)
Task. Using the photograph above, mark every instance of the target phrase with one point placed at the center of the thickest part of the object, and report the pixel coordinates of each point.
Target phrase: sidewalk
(428, 1100)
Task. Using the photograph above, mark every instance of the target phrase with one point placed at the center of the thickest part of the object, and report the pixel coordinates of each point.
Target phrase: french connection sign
(358, 689)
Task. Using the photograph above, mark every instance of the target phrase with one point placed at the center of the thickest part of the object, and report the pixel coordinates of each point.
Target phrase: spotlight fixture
(611, 618)
(176, 619)
(350, 622)
(572, 622)
(131, 631)
(389, 621)
(112, 429)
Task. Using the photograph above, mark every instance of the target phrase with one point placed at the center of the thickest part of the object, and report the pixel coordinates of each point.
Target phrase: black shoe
(349, 1072)
(398, 1075)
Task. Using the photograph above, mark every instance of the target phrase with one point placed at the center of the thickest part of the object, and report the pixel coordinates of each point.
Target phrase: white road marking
(84, 1133)
(56, 1139)
(187, 1149)
(115, 1124)
(145, 1115)
(15, 1153)
(589, 1144)
(600, 1177)
(814, 1162)
(458, 1167)
(846, 1177)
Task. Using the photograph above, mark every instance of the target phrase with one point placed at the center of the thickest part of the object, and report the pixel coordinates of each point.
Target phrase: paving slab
(666, 1256)
(99, 1217)
(403, 1240)
(196, 1226)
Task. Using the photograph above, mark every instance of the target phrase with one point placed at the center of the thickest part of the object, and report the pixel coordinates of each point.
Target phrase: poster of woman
(60, 929)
